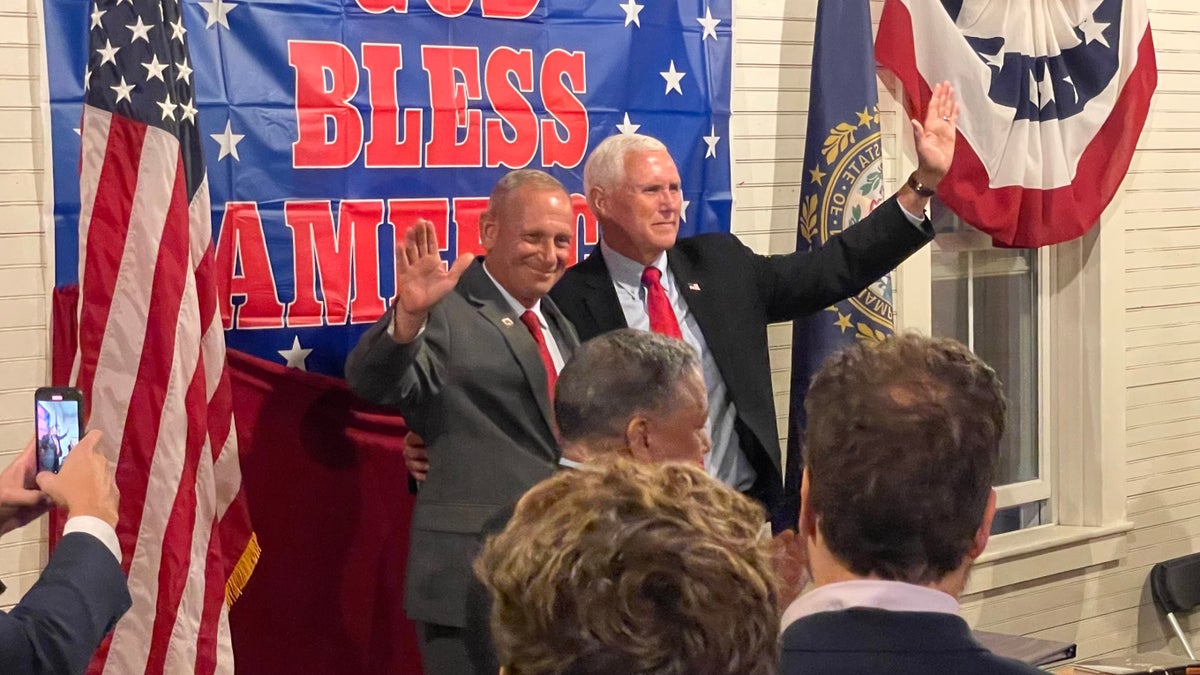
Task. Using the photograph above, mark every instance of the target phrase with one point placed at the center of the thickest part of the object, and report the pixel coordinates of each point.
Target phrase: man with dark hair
(627, 394)
(896, 503)
(717, 295)
(469, 355)
(633, 568)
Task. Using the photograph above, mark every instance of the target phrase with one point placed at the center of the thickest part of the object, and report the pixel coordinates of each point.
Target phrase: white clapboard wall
(23, 266)
(1105, 608)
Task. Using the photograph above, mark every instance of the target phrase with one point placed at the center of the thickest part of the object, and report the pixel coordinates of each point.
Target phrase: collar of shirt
(627, 273)
(895, 596)
(515, 304)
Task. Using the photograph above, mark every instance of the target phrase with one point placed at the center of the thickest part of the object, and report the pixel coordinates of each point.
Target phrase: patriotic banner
(1054, 96)
(329, 127)
(842, 182)
(332, 125)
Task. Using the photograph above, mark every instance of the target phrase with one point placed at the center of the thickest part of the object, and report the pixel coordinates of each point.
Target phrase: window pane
(986, 298)
(1021, 516)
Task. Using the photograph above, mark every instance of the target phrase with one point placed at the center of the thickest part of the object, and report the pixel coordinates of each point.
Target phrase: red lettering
(466, 223)
(380, 6)
(242, 246)
(448, 100)
(326, 80)
(507, 9)
(450, 8)
(334, 262)
(565, 107)
(587, 228)
(512, 108)
(388, 147)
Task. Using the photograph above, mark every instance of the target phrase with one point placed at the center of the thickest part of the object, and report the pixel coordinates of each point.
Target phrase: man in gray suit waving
(470, 355)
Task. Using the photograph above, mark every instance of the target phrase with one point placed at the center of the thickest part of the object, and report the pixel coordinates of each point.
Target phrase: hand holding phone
(58, 412)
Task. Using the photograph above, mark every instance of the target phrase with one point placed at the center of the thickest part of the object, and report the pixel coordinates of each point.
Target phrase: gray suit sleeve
(60, 622)
(402, 376)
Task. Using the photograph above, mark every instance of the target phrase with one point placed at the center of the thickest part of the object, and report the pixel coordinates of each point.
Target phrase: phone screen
(57, 429)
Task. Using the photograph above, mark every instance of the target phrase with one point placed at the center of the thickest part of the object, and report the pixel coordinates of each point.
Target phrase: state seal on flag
(849, 184)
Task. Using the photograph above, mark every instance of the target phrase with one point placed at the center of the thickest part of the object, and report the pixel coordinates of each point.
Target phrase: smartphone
(58, 412)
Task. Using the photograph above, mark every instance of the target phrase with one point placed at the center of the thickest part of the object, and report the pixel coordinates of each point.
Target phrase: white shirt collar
(627, 272)
(513, 302)
(895, 596)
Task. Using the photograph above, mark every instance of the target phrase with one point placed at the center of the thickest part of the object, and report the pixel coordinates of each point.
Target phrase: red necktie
(535, 328)
(662, 316)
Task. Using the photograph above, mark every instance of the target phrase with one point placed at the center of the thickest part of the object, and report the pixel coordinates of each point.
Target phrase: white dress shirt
(98, 529)
(551, 345)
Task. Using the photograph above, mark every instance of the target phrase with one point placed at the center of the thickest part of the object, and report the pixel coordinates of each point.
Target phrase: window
(991, 300)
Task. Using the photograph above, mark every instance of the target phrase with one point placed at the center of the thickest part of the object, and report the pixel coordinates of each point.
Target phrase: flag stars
(628, 128)
(87, 78)
(297, 355)
(218, 11)
(108, 53)
(140, 31)
(168, 108)
(154, 69)
(185, 72)
(188, 112)
(843, 322)
(228, 142)
(123, 90)
(673, 78)
(816, 175)
(711, 140)
(709, 24)
(865, 117)
(97, 14)
(177, 30)
(632, 10)
(1094, 32)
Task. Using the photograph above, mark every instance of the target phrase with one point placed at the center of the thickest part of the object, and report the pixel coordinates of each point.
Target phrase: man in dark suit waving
(718, 295)
(470, 355)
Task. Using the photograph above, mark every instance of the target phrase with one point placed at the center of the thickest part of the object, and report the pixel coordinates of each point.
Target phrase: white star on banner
(140, 31)
(1041, 91)
(228, 142)
(683, 210)
(628, 127)
(711, 139)
(996, 59)
(185, 72)
(1094, 32)
(97, 13)
(123, 90)
(673, 78)
(632, 9)
(710, 25)
(168, 108)
(217, 11)
(296, 355)
(154, 69)
(108, 53)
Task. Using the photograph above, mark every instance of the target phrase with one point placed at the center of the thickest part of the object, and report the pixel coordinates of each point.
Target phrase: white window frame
(1081, 351)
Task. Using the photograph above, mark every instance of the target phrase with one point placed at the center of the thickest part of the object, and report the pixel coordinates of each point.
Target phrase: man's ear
(985, 528)
(489, 229)
(637, 439)
(808, 520)
(598, 201)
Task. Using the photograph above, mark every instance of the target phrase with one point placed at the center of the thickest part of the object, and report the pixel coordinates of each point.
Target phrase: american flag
(151, 356)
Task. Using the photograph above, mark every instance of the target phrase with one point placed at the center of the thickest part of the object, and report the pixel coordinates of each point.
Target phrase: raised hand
(20, 500)
(935, 137)
(420, 280)
(84, 484)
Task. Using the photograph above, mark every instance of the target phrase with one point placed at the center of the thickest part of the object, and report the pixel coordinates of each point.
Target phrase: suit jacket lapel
(699, 300)
(481, 292)
(601, 299)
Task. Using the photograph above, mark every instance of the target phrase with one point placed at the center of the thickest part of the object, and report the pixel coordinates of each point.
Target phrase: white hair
(605, 167)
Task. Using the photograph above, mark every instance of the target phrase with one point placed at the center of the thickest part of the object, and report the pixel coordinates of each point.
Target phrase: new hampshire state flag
(841, 182)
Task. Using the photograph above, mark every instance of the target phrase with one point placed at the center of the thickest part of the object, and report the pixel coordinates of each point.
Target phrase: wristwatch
(918, 187)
